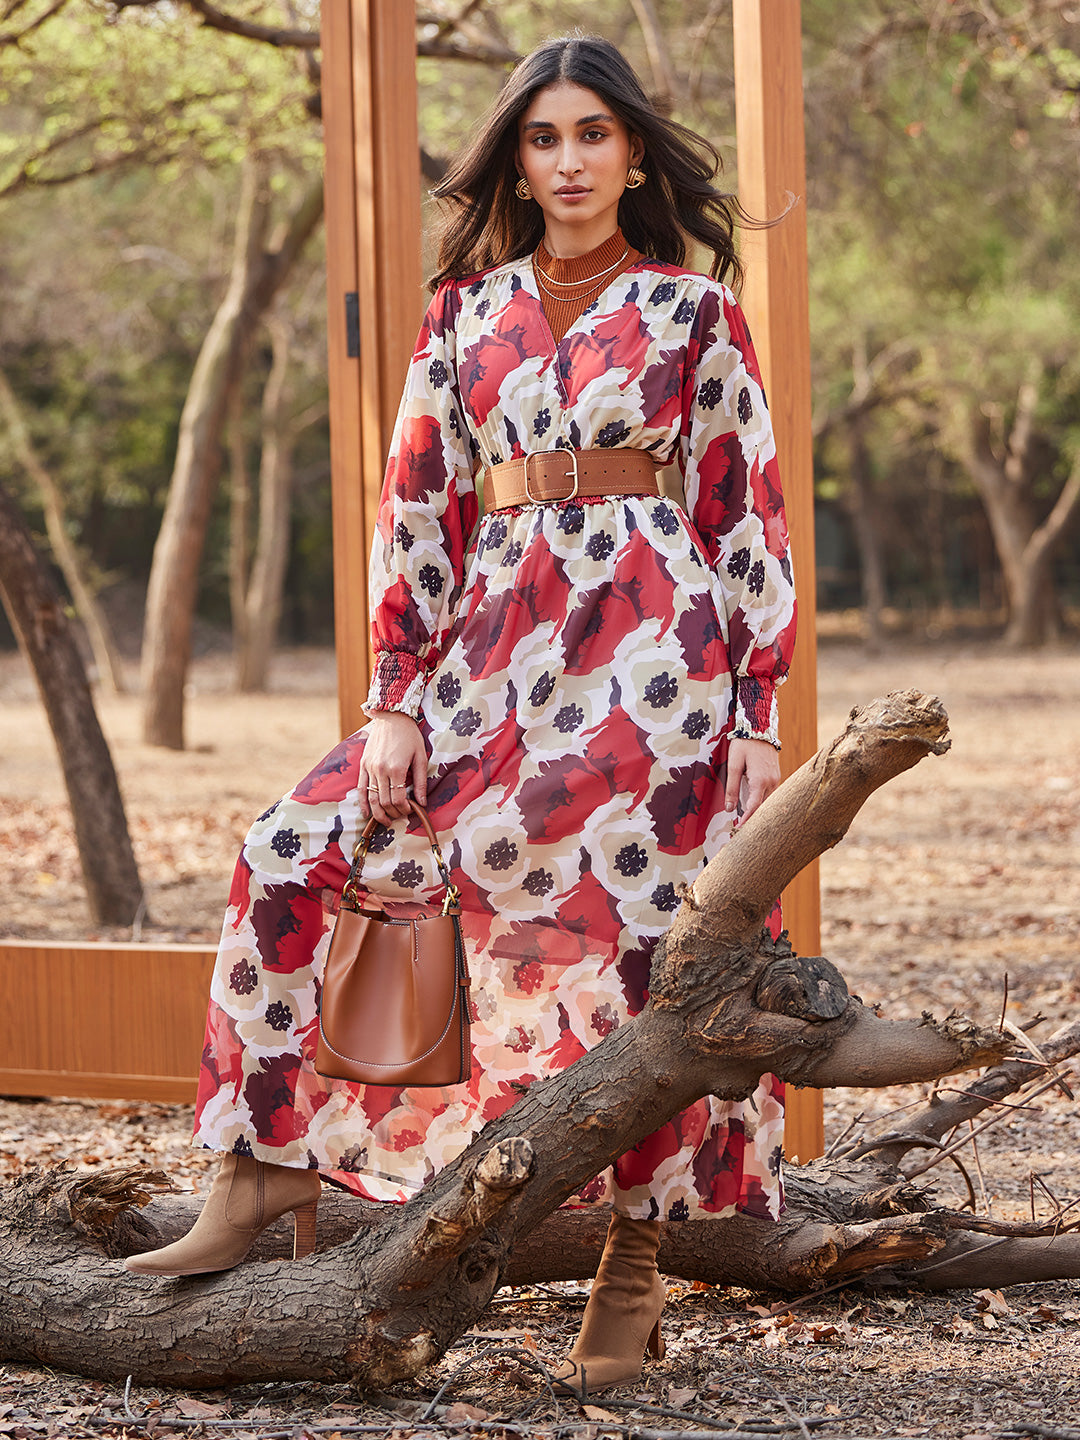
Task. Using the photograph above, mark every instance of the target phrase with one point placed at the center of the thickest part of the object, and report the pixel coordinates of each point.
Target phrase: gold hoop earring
(635, 178)
(522, 190)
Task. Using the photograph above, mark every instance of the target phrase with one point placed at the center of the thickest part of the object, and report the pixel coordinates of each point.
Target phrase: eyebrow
(585, 120)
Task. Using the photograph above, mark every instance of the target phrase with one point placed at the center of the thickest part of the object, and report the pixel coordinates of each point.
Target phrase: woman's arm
(394, 757)
(427, 515)
(733, 495)
(756, 762)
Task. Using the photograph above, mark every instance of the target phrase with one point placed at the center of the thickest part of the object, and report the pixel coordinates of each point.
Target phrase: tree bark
(240, 505)
(257, 276)
(262, 599)
(726, 1004)
(868, 540)
(113, 887)
(106, 658)
(1025, 547)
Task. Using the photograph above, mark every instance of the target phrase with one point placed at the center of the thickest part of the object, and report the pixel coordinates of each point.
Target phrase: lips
(569, 192)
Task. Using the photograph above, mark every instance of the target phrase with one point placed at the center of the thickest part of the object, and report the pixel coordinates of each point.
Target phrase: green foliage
(942, 155)
(96, 89)
(111, 280)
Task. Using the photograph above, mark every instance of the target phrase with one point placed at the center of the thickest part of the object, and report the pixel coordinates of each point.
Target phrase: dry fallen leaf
(527, 1338)
(994, 1301)
(679, 1396)
(459, 1412)
(596, 1412)
(200, 1410)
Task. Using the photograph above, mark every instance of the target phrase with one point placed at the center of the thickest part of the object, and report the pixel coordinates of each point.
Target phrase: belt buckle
(573, 471)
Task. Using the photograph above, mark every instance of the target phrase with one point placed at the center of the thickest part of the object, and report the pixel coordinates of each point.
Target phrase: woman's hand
(394, 753)
(756, 762)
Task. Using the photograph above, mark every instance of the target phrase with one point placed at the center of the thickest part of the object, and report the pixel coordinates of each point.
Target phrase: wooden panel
(399, 281)
(373, 203)
(103, 1020)
(772, 172)
(351, 542)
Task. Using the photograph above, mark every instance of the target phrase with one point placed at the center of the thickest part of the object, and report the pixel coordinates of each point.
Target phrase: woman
(578, 685)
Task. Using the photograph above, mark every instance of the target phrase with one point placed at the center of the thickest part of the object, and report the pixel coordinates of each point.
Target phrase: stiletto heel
(656, 1346)
(305, 1222)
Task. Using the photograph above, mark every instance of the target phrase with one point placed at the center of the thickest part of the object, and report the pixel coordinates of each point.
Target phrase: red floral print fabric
(577, 670)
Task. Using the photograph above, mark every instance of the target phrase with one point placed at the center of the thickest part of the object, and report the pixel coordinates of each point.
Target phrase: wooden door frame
(370, 99)
(375, 301)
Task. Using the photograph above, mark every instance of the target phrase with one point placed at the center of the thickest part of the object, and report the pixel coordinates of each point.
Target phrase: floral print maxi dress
(577, 670)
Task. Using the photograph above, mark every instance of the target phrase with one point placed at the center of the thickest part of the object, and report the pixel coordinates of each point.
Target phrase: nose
(570, 160)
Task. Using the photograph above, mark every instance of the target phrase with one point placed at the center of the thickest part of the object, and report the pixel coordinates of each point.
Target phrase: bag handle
(453, 895)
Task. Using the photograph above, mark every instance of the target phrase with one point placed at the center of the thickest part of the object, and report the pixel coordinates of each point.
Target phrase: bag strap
(453, 896)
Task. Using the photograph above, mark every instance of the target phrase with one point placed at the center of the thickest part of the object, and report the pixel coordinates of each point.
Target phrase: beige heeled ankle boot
(246, 1196)
(622, 1317)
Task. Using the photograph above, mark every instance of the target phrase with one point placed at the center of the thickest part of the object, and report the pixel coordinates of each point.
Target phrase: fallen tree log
(727, 1003)
(845, 1217)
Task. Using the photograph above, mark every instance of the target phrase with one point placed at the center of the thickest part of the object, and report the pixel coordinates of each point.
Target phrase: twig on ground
(992, 1119)
(804, 1429)
(1029, 1044)
(892, 1137)
(492, 1352)
(1004, 1000)
(848, 1128)
(978, 1170)
(967, 1181)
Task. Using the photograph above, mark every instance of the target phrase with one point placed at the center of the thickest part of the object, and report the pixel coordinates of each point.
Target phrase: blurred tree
(259, 270)
(257, 575)
(106, 658)
(37, 616)
(943, 151)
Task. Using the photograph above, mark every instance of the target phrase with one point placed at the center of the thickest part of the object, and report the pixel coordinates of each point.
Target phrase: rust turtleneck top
(575, 298)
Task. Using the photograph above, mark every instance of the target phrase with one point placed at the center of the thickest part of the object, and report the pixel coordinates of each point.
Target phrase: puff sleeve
(427, 514)
(733, 496)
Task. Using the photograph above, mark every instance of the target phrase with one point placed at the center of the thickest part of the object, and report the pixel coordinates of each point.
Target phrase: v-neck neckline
(528, 267)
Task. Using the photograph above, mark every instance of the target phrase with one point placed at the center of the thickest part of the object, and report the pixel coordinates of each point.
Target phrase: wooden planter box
(107, 1021)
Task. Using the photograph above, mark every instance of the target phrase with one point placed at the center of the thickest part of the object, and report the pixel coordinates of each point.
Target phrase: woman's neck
(605, 256)
(568, 242)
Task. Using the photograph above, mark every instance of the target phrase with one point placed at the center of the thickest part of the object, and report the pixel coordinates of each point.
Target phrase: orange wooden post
(373, 227)
(772, 174)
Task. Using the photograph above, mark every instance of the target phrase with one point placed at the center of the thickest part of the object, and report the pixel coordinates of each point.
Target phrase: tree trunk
(256, 278)
(1005, 483)
(867, 538)
(726, 1004)
(37, 616)
(240, 499)
(262, 599)
(106, 658)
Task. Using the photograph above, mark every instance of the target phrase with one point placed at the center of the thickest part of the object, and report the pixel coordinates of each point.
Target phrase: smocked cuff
(755, 711)
(397, 684)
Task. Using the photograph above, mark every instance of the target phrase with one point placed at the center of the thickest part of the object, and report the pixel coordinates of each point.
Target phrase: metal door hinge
(352, 324)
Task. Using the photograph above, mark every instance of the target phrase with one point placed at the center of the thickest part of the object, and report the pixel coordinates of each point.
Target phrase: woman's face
(575, 154)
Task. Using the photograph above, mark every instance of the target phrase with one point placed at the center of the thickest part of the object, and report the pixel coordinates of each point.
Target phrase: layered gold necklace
(574, 290)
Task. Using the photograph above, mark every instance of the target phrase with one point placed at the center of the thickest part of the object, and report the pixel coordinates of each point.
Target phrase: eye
(595, 134)
(542, 141)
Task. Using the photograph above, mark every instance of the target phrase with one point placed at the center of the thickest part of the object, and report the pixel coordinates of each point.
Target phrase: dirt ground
(952, 877)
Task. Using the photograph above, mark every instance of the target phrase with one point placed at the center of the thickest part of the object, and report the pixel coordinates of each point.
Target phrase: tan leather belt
(550, 475)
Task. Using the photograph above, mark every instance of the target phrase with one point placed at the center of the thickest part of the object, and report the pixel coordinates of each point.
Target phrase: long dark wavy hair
(487, 224)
